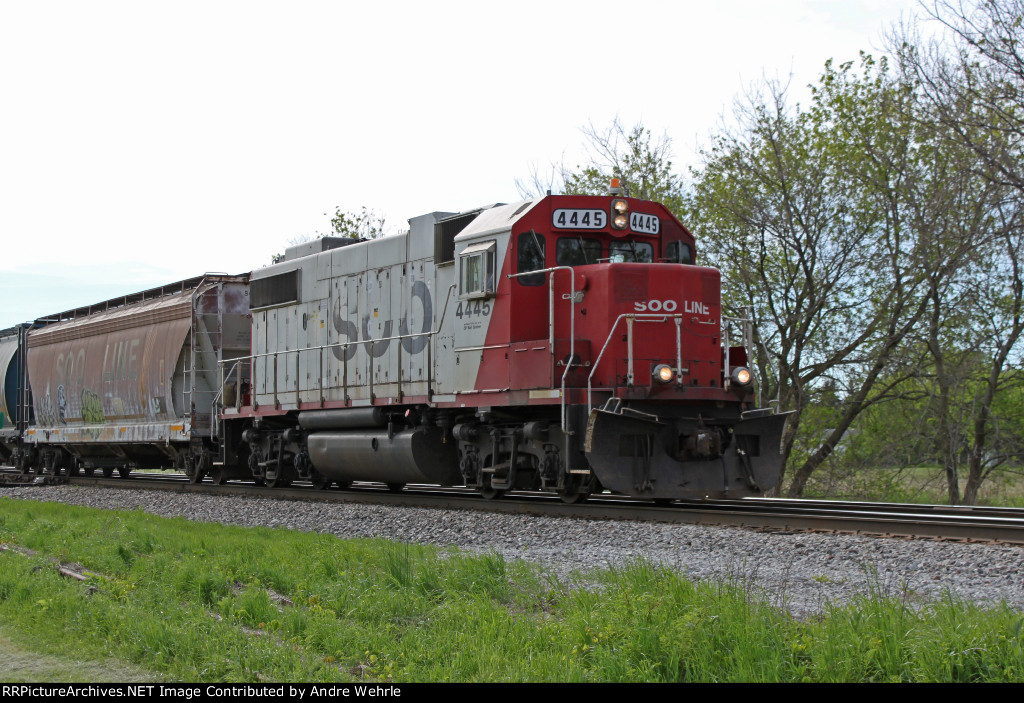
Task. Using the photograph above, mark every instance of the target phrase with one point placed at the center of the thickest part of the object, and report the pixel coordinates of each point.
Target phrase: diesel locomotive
(565, 343)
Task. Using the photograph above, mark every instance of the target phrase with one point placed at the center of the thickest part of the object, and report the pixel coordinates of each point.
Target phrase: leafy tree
(876, 236)
(971, 79)
(973, 76)
(824, 219)
(642, 164)
(366, 224)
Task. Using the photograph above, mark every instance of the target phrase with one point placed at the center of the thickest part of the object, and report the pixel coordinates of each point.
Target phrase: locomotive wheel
(90, 470)
(575, 490)
(490, 493)
(196, 476)
(396, 487)
(108, 471)
(344, 485)
(124, 471)
(320, 482)
(218, 475)
(279, 481)
(571, 497)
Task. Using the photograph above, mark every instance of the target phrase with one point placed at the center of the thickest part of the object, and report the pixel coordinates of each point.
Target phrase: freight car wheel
(90, 470)
(490, 493)
(320, 482)
(108, 471)
(343, 485)
(124, 471)
(396, 487)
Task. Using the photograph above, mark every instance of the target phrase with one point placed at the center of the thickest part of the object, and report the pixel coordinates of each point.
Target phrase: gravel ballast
(800, 572)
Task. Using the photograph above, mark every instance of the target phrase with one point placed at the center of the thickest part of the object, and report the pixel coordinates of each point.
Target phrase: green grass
(205, 602)
(916, 484)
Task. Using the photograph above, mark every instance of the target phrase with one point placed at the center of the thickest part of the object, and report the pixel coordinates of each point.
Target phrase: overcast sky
(146, 142)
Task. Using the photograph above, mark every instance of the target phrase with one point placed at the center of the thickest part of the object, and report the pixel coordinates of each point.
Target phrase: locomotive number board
(582, 218)
(578, 218)
(647, 224)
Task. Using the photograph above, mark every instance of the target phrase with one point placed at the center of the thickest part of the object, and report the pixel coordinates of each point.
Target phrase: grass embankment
(916, 484)
(205, 602)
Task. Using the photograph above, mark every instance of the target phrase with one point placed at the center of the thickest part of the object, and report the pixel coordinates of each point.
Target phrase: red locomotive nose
(652, 314)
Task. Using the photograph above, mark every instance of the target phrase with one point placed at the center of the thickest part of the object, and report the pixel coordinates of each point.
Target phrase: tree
(829, 221)
(363, 225)
(641, 163)
(971, 79)
(876, 236)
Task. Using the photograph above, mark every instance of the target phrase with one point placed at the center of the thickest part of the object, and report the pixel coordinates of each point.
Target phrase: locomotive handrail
(551, 328)
(214, 415)
(747, 339)
(630, 318)
(322, 348)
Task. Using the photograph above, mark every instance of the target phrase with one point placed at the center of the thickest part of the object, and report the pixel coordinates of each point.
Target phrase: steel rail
(962, 523)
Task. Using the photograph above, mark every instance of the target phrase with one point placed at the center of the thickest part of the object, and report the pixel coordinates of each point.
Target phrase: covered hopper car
(564, 343)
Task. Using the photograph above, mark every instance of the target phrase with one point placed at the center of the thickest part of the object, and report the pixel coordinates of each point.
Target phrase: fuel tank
(418, 455)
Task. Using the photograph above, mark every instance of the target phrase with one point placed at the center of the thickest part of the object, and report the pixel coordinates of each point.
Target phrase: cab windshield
(577, 251)
(630, 252)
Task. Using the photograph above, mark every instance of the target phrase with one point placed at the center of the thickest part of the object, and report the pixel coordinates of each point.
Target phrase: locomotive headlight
(741, 376)
(620, 208)
(663, 373)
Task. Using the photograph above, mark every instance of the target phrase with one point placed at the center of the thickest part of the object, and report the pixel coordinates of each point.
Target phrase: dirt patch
(21, 665)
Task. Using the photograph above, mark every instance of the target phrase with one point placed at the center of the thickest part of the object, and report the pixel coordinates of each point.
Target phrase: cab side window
(679, 253)
(476, 270)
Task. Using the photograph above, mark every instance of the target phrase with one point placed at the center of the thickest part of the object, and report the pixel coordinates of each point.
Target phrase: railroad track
(897, 520)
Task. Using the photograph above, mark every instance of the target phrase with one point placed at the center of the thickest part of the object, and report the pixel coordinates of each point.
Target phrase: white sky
(146, 142)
